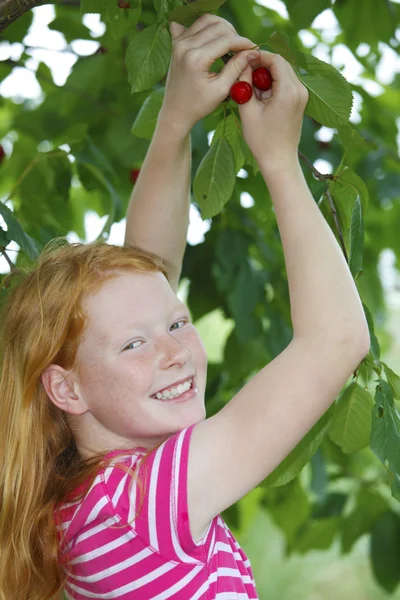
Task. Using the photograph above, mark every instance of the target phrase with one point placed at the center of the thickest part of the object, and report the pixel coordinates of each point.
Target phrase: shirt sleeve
(159, 495)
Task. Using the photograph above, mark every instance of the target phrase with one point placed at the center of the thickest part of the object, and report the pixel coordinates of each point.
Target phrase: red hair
(43, 322)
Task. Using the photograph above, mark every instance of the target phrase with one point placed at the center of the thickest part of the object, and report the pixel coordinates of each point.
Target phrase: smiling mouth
(175, 391)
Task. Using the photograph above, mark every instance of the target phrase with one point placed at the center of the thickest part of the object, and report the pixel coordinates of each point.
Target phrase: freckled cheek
(195, 345)
(126, 380)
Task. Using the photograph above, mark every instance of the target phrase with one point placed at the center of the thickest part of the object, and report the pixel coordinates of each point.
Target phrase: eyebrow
(139, 324)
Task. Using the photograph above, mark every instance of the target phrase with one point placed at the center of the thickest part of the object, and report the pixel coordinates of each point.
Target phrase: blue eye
(132, 346)
(183, 321)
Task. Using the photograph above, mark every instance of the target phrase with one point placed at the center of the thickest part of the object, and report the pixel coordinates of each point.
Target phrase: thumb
(239, 67)
(176, 29)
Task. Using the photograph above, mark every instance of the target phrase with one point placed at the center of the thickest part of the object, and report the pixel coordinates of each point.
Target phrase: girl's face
(139, 341)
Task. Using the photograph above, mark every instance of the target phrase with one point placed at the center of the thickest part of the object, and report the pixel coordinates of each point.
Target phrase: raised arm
(234, 450)
(158, 212)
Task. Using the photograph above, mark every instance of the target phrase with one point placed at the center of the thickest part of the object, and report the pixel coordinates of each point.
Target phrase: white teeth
(175, 391)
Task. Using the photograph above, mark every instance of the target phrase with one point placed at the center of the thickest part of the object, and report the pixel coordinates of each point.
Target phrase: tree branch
(11, 10)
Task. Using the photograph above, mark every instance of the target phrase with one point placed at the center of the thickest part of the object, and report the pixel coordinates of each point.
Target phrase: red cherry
(262, 79)
(2, 154)
(241, 92)
(134, 174)
(123, 4)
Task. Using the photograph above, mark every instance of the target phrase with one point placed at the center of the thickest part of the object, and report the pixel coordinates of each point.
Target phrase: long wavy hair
(40, 466)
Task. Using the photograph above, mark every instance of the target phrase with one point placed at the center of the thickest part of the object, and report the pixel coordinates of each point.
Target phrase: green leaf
(385, 434)
(115, 213)
(241, 359)
(374, 23)
(94, 6)
(352, 180)
(375, 348)
(303, 12)
(148, 57)
(146, 120)
(247, 294)
(215, 179)
(4, 241)
(44, 192)
(289, 506)
(96, 172)
(17, 234)
(331, 97)
(370, 505)
(231, 129)
(351, 139)
(187, 15)
(352, 420)
(385, 551)
(295, 462)
(121, 20)
(318, 534)
(279, 42)
(162, 8)
(393, 380)
(356, 240)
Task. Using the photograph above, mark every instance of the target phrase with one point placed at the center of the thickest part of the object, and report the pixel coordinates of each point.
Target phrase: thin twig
(8, 259)
(316, 173)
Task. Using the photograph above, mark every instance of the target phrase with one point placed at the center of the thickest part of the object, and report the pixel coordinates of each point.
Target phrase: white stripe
(119, 490)
(69, 504)
(152, 522)
(174, 504)
(97, 529)
(126, 537)
(129, 562)
(64, 525)
(202, 590)
(132, 503)
(212, 544)
(129, 587)
(179, 585)
(228, 596)
(235, 573)
(96, 509)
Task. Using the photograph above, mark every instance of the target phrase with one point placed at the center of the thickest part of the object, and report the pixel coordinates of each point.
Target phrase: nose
(173, 352)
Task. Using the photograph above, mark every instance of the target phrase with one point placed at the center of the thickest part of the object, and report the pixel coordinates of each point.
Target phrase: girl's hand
(272, 120)
(192, 92)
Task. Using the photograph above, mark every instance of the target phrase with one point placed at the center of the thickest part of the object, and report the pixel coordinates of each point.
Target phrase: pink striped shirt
(152, 556)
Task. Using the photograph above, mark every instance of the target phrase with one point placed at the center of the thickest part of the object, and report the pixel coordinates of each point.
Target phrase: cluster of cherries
(241, 91)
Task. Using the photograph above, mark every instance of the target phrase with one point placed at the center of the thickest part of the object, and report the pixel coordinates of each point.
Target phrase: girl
(113, 479)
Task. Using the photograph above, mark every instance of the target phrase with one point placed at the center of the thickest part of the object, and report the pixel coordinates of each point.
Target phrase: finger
(208, 19)
(216, 31)
(238, 68)
(280, 69)
(221, 45)
(247, 75)
(176, 29)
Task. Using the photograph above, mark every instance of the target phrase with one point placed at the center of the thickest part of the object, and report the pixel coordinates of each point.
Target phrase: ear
(63, 391)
